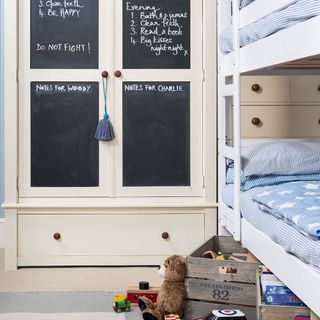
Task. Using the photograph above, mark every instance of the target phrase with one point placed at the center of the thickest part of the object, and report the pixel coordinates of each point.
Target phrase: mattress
(290, 239)
(299, 11)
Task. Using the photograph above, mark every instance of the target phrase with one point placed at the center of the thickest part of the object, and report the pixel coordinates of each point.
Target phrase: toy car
(226, 314)
(121, 304)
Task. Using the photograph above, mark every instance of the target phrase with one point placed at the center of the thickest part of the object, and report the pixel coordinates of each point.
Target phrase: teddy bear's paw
(149, 316)
(142, 305)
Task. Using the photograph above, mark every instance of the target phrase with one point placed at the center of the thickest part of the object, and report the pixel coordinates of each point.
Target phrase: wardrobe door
(158, 85)
(64, 48)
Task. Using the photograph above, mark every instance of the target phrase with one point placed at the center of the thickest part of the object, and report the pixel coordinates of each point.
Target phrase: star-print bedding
(298, 203)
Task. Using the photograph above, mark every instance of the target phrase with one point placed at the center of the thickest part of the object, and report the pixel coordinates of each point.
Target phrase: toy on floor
(171, 317)
(120, 304)
(134, 292)
(171, 297)
(225, 314)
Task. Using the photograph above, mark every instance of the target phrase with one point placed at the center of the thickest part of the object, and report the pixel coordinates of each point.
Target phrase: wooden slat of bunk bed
(298, 276)
(291, 46)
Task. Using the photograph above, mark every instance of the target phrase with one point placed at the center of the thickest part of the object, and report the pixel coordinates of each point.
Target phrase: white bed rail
(230, 90)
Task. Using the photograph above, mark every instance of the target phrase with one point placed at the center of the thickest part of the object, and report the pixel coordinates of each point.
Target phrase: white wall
(1, 233)
(1, 128)
(1, 112)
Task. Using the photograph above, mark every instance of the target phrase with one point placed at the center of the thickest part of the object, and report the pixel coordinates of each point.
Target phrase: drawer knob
(165, 235)
(255, 87)
(255, 121)
(117, 74)
(57, 236)
(318, 87)
(105, 74)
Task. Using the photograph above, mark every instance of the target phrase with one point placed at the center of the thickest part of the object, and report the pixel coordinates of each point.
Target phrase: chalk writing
(157, 31)
(65, 47)
(45, 88)
(60, 9)
(64, 34)
(153, 87)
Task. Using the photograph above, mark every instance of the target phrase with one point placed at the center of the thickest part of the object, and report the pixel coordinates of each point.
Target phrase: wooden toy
(133, 294)
(171, 317)
(121, 304)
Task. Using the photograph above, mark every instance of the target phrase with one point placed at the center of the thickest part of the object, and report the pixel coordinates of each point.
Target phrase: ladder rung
(227, 152)
(227, 90)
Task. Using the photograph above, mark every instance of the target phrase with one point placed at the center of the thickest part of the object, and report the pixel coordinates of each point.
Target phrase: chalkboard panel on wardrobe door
(156, 134)
(64, 152)
(156, 34)
(64, 34)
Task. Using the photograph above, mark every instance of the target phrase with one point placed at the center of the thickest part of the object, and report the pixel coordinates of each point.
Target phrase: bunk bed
(292, 49)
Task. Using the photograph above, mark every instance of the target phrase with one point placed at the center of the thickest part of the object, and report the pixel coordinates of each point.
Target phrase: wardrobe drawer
(89, 235)
(264, 89)
(305, 89)
(280, 121)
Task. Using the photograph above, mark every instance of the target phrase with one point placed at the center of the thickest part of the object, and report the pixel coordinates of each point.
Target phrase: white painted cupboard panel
(118, 235)
(268, 90)
(280, 121)
(305, 89)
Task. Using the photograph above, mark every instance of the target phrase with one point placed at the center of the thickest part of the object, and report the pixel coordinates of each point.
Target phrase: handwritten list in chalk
(64, 34)
(156, 134)
(156, 34)
(64, 152)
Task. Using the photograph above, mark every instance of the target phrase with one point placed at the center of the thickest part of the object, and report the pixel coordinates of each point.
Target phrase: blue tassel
(104, 130)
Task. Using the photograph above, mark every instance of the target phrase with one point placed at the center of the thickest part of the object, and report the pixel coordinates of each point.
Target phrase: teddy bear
(171, 297)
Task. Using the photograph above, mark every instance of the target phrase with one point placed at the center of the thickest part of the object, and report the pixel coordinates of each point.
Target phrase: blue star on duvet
(298, 203)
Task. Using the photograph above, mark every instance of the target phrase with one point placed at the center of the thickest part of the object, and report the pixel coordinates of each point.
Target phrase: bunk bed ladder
(229, 123)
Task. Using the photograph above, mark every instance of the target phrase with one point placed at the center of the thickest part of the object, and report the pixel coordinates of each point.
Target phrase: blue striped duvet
(297, 12)
(297, 203)
(292, 241)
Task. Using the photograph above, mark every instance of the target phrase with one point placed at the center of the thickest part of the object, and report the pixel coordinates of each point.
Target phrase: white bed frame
(299, 56)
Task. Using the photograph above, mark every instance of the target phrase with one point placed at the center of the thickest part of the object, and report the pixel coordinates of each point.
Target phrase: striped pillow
(281, 157)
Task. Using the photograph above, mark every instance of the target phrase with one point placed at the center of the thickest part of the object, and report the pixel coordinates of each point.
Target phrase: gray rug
(62, 306)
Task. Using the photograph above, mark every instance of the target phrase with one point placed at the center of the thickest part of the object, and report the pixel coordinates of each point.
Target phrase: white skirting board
(2, 221)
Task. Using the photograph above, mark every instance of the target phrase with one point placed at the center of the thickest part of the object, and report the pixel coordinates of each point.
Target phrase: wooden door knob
(255, 121)
(318, 87)
(165, 235)
(57, 236)
(117, 73)
(105, 74)
(255, 87)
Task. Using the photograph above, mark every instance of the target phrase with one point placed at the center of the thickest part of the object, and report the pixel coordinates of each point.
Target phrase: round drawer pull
(165, 235)
(318, 87)
(255, 121)
(255, 87)
(57, 236)
(117, 73)
(105, 74)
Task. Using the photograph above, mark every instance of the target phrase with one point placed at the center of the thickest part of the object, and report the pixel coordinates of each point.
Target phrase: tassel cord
(105, 90)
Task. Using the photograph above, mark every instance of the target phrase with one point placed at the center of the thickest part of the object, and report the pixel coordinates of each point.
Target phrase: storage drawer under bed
(109, 235)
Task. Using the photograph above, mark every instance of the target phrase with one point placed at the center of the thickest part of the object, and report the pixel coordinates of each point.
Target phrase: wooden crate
(208, 288)
(198, 267)
(267, 312)
(196, 309)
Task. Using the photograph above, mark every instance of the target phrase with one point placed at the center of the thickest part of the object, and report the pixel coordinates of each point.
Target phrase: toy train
(121, 304)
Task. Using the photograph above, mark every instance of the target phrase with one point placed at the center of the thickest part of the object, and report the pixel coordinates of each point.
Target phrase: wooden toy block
(133, 294)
